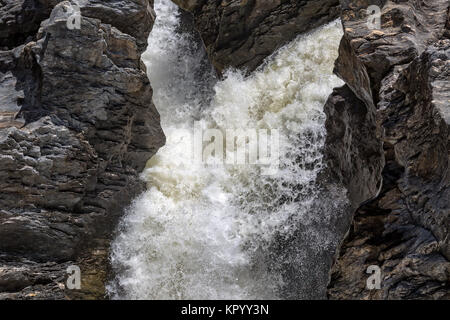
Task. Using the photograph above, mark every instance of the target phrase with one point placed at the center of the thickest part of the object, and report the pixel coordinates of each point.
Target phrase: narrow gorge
(229, 231)
(98, 128)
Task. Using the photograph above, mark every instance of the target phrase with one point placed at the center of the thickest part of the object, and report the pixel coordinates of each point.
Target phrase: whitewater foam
(213, 232)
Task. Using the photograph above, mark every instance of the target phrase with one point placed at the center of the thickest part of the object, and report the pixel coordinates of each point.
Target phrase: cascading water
(228, 232)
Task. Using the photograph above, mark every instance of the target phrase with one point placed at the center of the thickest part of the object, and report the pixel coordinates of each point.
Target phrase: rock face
(398, 76)
(241, 34)
(77, 126)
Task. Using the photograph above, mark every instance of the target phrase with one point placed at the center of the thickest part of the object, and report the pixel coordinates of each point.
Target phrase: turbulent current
(209, 230)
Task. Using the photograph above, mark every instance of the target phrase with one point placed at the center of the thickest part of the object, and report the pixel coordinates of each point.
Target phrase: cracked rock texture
(242, 33)
(398, 82)
(77, 125)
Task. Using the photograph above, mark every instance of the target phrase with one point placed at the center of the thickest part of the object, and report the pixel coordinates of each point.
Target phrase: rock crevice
(400, 73)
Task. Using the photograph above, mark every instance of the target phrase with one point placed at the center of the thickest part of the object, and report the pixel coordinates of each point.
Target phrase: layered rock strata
(398, 76)
(77, 125)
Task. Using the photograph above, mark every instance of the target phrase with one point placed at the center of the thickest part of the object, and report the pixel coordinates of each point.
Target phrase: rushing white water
(211, 232)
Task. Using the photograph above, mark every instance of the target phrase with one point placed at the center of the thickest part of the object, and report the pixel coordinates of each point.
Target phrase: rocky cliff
(77, 125)
(398, 76)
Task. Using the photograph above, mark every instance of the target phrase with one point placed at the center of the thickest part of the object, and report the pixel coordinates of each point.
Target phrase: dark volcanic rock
(242, 34)
(77, 126)
(401, 74)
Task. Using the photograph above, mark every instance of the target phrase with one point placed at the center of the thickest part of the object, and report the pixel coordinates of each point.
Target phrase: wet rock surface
(77, 126)
(400, 73)
(354, 151)
(241, 34)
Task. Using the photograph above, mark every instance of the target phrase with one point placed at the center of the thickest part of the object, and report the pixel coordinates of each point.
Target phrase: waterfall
(220, 231)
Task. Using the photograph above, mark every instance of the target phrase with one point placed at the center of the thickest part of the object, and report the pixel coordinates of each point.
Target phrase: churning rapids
(229, 232)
